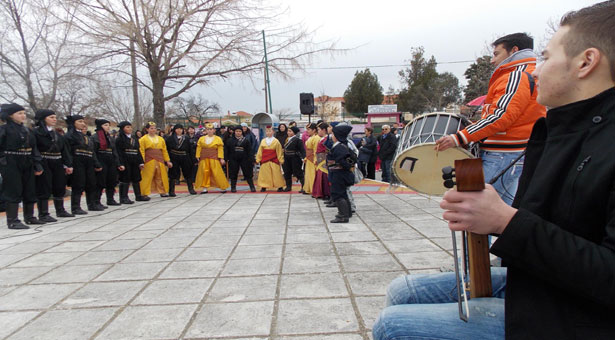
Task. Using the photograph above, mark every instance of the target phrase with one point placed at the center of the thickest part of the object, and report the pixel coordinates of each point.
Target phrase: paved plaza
(217, 266)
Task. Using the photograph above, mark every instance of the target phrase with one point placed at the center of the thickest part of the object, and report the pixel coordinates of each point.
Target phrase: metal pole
(267, 72)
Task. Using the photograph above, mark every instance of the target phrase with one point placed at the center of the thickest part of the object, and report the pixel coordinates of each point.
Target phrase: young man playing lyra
(557, 240)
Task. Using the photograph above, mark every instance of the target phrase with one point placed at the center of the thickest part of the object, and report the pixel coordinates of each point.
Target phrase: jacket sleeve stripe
(502, 104)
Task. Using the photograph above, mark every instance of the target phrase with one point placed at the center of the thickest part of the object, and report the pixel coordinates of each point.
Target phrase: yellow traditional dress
(270, 156)
(154, 153)
(310, 165)
(209, 151)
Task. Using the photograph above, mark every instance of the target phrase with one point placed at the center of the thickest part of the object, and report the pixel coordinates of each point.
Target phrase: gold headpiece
(209, 126)
(151, 123)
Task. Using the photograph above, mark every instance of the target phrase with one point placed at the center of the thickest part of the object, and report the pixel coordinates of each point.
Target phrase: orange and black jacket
(510, 108)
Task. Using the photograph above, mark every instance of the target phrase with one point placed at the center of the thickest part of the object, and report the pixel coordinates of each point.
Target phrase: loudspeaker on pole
(306, 103)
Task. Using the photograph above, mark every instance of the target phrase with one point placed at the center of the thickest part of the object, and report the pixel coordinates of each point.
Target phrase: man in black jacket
(127, 146)
(558, 239)
(388, 144)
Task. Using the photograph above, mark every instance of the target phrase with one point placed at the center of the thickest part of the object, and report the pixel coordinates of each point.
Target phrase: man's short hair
(521, 40)
(371, 130)
(591, 26)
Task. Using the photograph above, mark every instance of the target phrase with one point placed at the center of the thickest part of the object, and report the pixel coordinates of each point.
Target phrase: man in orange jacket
(508, 115)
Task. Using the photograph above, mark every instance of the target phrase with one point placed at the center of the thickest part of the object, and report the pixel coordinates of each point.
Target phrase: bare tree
(284, 114)
(36, 55)
(116, 103)
(184, 43)
(193, 107)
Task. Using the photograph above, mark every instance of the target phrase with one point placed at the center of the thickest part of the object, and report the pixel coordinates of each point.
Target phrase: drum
(417, 165)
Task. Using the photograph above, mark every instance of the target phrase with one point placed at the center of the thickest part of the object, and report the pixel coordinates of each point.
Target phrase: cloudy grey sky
(383, 33)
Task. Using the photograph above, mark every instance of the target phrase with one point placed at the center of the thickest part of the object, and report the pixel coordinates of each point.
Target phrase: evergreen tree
(363, 90)
(478, 75)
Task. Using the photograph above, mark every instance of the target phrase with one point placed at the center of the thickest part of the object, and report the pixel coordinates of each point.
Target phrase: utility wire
(383, 66)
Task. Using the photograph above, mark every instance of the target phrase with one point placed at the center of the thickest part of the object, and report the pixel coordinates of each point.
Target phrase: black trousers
(18, 183)
(340, 180)
(246, 168)
(368, 169)
(52, 181)
(131, 172)
(292, 167)
(84, 176)
(107, 178)
(182, 163)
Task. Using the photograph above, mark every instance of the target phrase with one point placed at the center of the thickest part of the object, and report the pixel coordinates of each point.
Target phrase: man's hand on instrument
(480, 212)
(444, 143)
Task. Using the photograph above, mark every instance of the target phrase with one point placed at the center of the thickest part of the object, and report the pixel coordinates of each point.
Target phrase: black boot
(97, 197)
(190, 187)
(58, 203)
(331, 204)
(124, 194)
(137, 189)
(251, 184)
(43, 212)
(110, 199)
(172, 188)
(233, 185)
(301, 191)
(91, 199)
(28, 214)
(11, 217)
(289, 185)
(75, 203)
(343, 209)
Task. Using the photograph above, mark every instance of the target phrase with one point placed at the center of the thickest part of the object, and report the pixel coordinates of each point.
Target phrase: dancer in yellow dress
(154, 152)
(310, 158)
(210, 153)
(270, 156)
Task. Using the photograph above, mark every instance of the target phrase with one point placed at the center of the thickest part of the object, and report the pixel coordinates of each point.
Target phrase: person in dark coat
(127, 146)
(238, 154)
(182, 156)
(282, 134)
(85, 166)
(107, 178)
(368, 152)
(388, 144)
(20, 162)
(557, 241)
(57, 163)
(341, 163)
(294, 153)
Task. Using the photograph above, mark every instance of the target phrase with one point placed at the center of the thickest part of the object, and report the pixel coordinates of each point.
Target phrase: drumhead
(419, 169)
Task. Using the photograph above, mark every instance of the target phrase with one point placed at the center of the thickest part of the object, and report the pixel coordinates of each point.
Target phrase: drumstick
(435, 165)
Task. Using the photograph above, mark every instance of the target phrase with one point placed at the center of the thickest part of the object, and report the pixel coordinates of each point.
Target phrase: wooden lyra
(469, 177)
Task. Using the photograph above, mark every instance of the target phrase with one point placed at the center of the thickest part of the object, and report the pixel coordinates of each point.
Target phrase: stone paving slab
(217, 266)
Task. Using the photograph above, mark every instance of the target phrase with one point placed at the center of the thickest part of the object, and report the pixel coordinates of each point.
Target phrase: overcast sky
(383, 33)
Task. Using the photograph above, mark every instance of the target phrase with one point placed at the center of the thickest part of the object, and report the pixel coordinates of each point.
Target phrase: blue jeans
(493, 163)
(386, 170)
(425, 307)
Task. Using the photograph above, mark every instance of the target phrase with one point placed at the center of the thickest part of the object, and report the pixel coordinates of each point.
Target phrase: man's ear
(588, 61)
(515, 49)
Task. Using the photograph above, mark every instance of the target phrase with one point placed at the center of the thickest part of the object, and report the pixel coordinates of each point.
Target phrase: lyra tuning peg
(447, 172)
(449, 183)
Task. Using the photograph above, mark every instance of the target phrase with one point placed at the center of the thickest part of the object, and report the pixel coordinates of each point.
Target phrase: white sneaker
(204, 191)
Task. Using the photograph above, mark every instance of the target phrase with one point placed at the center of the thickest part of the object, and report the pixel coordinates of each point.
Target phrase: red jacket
(510, 109)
